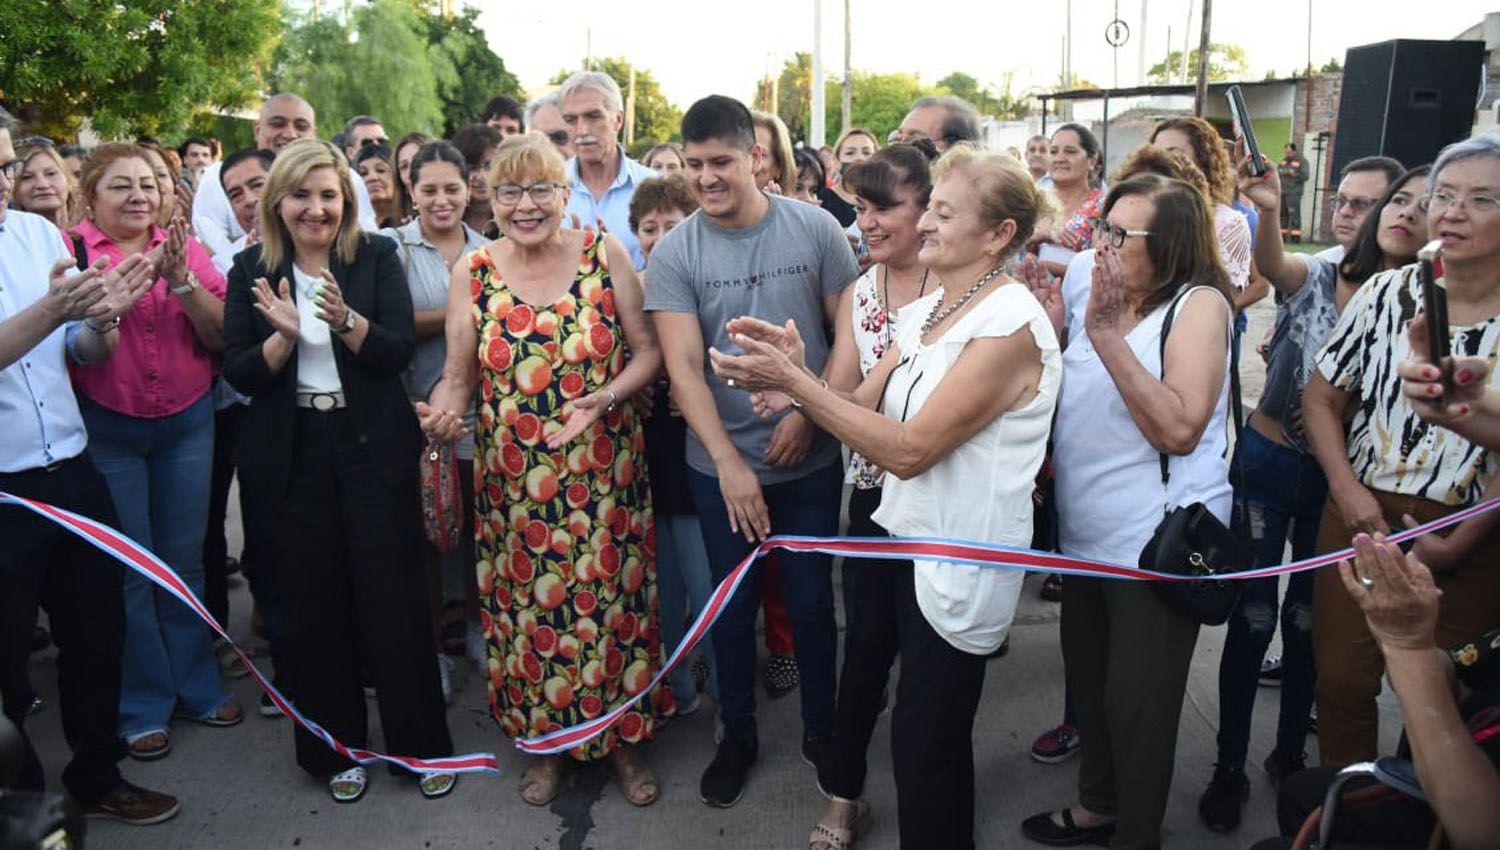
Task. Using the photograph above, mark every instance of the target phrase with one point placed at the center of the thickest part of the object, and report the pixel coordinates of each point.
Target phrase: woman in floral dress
(564, 538)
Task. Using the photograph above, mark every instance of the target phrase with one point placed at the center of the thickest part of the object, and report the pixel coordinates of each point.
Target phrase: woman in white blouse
(1123, 409)
(967, 388)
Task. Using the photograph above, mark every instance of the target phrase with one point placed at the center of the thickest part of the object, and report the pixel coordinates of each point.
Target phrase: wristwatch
(348, 324)
(188, 287)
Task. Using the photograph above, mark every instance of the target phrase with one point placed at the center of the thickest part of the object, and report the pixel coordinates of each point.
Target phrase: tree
(132, 66)
(1225, 62)
(379, 67)
(879, 102)
(468, 72)
(1332, 66)
(1005, 104)
(657, 120)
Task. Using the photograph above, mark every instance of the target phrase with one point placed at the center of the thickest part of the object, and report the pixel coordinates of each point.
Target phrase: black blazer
(373, 286)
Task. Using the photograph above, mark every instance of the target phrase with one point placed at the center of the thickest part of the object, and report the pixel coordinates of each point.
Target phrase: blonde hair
(1004, 187)
(527, 155)
(291, 167)
(26, 152)
(782, 155)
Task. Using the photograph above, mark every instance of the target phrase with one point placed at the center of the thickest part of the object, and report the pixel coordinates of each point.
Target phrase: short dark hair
(473, 140)
(239, 156)
(719, 117)
(1392, 167)
(960, 119)
(372, 150)
(1365, 257)
(211, 144)
(909, 165)
(660, 193)
(504, 106)
(1086, 138)
(808, 161)
(358, 121)
(438, 151)
(1292, 145)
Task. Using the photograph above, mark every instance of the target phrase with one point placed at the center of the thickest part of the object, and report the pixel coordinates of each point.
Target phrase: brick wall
(1316, 108)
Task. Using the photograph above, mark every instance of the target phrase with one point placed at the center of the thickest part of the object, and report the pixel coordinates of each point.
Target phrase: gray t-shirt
(777, 269)
(1304, 321)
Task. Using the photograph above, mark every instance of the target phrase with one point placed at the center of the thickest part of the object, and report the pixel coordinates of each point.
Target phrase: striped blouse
(1391, 449)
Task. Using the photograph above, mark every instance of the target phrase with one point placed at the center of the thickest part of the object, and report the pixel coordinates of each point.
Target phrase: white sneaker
(445, 676)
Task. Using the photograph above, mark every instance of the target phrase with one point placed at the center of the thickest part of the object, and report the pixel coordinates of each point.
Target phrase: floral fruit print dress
(564, 539)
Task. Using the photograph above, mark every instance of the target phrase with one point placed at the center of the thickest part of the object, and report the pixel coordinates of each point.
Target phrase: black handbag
(1190, 540)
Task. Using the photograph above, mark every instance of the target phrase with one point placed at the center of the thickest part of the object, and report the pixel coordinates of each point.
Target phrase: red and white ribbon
(137, 558)
(931, 549)
(143, 562)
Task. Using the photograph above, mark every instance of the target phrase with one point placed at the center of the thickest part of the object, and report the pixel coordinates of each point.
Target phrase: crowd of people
(614, 378)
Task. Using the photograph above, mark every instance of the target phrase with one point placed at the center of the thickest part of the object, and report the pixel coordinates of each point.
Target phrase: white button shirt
(38, 412)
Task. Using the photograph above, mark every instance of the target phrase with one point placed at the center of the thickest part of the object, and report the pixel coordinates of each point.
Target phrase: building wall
(1317, 110)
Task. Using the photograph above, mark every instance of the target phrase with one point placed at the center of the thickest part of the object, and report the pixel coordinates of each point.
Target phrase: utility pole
(1140, 60)
(816, 130)
(630, 111)
(1187, 33)
(1201, 96)
(847, 107)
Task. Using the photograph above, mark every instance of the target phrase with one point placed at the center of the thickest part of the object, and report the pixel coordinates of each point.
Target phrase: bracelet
(186, 288)
(348, 324)
(101, 330)
(613, 398)
(821, 381)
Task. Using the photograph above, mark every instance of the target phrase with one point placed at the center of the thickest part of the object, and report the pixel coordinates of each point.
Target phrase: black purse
(1190, 540)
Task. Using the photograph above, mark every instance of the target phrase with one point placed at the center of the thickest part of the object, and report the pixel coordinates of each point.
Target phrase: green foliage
(1005, 105)
(468, 72)
(1225, 62)
(379, 66)
(1332, 66)
(657, 120)
(878, 102)
(132, 66)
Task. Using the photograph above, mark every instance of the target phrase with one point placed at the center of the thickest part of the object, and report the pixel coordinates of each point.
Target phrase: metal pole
(1187, 33)
(1140, 60)
(846, 110)
(1201, 96)
(816, 130)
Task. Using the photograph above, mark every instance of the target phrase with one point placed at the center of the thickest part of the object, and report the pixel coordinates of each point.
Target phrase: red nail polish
(1464, 376)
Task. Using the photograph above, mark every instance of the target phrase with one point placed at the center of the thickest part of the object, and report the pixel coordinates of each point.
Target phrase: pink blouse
(159, 368)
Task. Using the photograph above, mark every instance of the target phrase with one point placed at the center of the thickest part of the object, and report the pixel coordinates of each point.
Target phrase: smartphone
(1243, 129)
(1435, 305)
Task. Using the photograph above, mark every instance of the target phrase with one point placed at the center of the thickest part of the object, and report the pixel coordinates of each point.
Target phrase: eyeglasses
(509, 194)
(1359, 206)
(1114, 234)
(11, 171)
(1439, 202)
(558, 137)
(382, 142)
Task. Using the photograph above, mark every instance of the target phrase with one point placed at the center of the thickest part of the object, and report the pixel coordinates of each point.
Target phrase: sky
(700, 47)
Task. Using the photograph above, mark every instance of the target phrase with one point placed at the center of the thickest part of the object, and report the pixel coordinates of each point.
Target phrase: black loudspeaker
(1406, 99)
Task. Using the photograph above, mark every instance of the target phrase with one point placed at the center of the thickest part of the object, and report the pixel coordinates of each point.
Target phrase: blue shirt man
(602, 178)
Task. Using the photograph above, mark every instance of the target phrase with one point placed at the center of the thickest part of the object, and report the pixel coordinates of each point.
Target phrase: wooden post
(1204, 42)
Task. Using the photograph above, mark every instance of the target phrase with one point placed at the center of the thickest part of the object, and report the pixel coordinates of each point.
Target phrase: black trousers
(1391, 822)
(937, 695)
(227, 424)
(350, 574)
(81, 589)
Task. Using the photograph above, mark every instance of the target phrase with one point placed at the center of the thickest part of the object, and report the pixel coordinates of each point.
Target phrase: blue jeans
(683, 588)
(158, 474)
(807, 506)
(1284, 491)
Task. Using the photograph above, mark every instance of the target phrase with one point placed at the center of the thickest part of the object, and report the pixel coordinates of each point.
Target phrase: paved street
(241, 789)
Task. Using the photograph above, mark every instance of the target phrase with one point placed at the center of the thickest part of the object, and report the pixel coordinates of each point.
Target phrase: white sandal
(435, 785)
(349, 786)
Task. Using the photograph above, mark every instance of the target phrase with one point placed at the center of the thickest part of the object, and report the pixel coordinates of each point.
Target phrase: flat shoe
(149, 747)
(228, 713)
(435, 785)
(349, 786)
(1041, 829)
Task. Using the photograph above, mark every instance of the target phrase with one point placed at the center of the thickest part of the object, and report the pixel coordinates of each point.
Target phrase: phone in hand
(1243, 131)
(1435, 305)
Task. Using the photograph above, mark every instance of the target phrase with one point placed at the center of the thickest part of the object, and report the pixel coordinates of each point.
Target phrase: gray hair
(548, 99)
(359, 121)
(1482, 144)
(7, 120)
(599, 82)
(961, 124)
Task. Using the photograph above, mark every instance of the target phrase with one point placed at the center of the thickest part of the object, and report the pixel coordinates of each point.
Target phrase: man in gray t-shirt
(745, 253)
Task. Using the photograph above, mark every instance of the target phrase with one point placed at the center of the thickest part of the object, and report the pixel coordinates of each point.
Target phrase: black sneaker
(1270, 672)
(781, 676)
(1220, 805)
(1279, 767)
(724, 780)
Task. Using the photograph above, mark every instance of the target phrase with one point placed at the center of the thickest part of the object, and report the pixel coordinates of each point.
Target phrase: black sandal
(1043, 830)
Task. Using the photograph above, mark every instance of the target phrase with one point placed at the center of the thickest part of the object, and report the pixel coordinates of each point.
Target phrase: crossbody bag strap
(1235, 404)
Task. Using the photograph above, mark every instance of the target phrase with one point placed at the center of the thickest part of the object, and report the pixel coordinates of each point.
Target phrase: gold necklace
(939, 313)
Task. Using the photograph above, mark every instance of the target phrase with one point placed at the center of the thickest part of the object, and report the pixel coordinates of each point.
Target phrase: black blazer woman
(318, 328)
